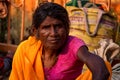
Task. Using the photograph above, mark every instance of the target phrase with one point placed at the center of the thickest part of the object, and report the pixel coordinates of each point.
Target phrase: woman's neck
(49, 53)
(49, 57)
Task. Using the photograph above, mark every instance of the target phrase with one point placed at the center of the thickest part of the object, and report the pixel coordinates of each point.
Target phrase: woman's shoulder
(29, 41)
(74, 43)
(75, 40)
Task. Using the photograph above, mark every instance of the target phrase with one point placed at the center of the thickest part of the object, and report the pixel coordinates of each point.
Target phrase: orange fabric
(61, 2)
(27, 64)
(87, 75)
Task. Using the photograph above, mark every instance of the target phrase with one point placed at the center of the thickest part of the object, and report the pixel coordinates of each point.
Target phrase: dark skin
(94, 63)
(53, 35)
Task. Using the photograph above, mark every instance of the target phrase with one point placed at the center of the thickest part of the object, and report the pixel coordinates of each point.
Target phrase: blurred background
(16, 18)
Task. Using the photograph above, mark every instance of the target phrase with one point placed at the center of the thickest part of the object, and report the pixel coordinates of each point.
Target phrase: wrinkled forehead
(51, 21)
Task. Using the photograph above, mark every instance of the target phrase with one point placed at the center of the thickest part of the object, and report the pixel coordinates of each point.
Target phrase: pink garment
(67, 67)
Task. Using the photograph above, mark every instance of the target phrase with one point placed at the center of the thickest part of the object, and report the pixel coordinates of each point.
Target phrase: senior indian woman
(50, 53)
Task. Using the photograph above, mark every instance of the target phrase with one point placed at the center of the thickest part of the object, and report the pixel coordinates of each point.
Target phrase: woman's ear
(37, 33)
(33, 30)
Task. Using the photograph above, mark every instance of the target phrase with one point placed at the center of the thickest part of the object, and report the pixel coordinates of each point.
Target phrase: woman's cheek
(44, 33)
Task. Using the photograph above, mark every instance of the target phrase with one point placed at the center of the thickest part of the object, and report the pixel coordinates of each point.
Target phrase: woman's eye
(58, 25)
(46, 27)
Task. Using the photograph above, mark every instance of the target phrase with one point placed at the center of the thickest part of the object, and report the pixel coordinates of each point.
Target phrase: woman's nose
(53, 31)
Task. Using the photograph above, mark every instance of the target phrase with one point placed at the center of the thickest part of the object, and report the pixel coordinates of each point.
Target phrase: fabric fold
(27, 65)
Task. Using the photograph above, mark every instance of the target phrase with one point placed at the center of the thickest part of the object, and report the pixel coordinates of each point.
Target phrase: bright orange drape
(27, 64)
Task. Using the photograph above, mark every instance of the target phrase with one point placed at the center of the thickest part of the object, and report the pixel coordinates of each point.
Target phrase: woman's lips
(54, 40)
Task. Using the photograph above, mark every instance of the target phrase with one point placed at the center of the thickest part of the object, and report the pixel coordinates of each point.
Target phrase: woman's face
(52, 33)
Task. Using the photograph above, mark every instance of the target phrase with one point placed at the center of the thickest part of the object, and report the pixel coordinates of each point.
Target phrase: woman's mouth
(54, 40)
